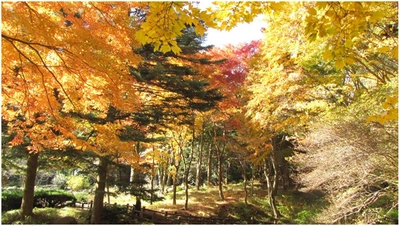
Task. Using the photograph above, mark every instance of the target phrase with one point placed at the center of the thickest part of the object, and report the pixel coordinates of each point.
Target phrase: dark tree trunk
(220, 175)
(252, 181)
(242, 164)
(29, 189)
(99, 193)
(174, 179)
(169, 181)
(187, 170)
(209, 170)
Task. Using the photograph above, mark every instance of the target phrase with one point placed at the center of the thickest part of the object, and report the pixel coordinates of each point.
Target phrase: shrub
(52, 198)
(78, 182)
(60, 180)
(12, 199)
(82, 196)
(115, 215)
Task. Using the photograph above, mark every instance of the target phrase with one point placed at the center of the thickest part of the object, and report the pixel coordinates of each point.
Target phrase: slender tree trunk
(252, 181)
(200, 161)
(164, 183)
(161, 179)
(209, 170)
(29, 189)
(186, 191)
(99, 193)
(187, 171)
(228, 165)
(108, 193)
(271, 185)
(175, 177)
(169, 180)
(242, 164)
(152, 181)
(174, 189)
(220, 179)
(132, 175)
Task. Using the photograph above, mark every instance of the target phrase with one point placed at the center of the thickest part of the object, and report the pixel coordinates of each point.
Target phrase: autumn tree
(293, 86)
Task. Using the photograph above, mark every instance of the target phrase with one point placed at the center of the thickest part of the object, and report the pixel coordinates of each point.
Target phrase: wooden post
(127, 208)
(91, 204)
(133, 211)
(83, 205)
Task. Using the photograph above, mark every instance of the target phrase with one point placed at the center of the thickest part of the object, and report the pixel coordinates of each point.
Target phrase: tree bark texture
(271, 177)
(100, 190)
(29, 189)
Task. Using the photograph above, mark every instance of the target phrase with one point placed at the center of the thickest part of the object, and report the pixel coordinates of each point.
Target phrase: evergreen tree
(173, 83)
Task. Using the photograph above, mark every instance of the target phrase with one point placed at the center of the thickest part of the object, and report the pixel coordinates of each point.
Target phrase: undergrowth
(44, 216)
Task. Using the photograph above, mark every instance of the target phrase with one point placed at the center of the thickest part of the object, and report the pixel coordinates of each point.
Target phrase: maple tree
(49, 81)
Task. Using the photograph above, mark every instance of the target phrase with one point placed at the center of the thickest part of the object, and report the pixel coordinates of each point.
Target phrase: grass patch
(44, 216)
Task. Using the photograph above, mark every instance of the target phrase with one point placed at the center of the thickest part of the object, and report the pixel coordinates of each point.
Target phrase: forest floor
(206, 202)
(295, 207)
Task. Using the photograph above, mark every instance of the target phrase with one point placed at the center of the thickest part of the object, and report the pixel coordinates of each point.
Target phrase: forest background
(92, 86)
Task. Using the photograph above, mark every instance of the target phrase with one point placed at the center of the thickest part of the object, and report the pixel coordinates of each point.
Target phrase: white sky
(242, 33)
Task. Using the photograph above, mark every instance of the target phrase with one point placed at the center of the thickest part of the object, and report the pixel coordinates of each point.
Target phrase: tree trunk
(228, 165)
(166, 177)
(220, 174)
(209, 171)
(170, 180)
(108, 193)
(174, 189)
(174, 180)
(200, 162)
(99, 193)
(153, 172)
(187, 170)
(161, 180)
(132, 175)
(242, 164)
(271, 177)
(252, 181)
(186, 191)
(29, 190)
